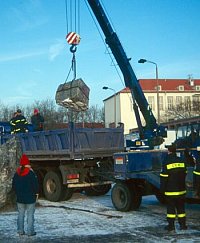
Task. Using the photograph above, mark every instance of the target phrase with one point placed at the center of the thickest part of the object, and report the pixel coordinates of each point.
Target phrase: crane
(152, 132)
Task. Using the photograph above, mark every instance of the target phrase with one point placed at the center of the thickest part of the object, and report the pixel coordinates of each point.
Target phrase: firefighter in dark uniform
(19, 123)
(172, 183)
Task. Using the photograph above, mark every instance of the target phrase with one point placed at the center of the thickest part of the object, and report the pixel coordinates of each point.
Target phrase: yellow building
(171, 92)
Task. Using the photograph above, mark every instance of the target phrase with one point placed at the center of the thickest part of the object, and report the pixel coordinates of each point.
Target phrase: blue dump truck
(71, 159)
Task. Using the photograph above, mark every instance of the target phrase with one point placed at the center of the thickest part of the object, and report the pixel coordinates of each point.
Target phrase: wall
(124, 107)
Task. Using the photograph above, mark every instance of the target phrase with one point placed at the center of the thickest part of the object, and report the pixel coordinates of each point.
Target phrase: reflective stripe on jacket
(18, 124)
(196, 173)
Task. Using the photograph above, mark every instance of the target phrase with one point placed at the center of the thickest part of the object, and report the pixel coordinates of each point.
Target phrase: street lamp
(157, 89)
(105, 87)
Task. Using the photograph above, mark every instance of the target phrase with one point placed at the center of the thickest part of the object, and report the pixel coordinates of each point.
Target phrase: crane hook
(73, 39)
(73, 48)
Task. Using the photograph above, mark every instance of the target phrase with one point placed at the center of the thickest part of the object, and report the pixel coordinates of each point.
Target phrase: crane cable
(72, 23)
(113, 63)
(72, 37)
(102, 38)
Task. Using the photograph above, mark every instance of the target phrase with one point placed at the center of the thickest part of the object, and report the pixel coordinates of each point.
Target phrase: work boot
(170, 227)
(183, 227)
(182, 223)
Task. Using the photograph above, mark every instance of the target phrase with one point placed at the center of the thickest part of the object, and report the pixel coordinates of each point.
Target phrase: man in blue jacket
(25, 185)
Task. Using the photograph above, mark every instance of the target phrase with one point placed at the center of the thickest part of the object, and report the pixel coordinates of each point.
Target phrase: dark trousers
(196, 182)
(176, 208)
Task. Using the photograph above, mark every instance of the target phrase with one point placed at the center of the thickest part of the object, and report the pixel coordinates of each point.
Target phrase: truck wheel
(52, 186)
(136, 196)
(122, 197)
(67, 193)
(97, 190)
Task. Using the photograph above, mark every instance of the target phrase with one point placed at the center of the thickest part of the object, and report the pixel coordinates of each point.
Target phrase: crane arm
(151, 130)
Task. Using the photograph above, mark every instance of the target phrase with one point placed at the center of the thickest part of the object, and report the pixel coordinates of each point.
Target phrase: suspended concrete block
(73, 95)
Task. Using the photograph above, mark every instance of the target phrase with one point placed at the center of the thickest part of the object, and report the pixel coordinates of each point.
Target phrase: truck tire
(122, 197)
(97, 190)
(52, 186)
(136, 196)
(67, 193)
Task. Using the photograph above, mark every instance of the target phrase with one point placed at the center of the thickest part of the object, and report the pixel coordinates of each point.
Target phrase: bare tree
(54, 115)
(94, 114)
(185, 109)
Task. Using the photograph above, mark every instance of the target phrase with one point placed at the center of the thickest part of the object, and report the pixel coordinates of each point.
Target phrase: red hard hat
(36, 111)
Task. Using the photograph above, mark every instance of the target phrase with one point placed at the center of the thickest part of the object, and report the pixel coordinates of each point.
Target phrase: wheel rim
(51, 186)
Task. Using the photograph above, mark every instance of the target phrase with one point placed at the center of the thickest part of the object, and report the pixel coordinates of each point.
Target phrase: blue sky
(35, 56)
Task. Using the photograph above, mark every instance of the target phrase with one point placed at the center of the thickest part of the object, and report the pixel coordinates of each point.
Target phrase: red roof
(167, 85)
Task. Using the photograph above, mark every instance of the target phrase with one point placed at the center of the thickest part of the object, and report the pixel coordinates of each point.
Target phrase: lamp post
(115, 119)
(157, 89)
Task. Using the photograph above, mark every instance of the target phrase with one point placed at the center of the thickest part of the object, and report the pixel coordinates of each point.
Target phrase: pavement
(94, 219)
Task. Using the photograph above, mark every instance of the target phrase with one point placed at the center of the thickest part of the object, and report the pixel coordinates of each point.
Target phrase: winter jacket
(37, 121)
(25, 186)
(172, 176)
(19, 124)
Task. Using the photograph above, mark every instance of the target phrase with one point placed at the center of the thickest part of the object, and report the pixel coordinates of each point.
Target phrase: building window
(178, 100)
(197, 87)
(187, 99)
(195, 98)
(159, 87)
(170, 102)
(195, 102)
(187, 102)
(161, 106)
(181, 88)
(151, 102)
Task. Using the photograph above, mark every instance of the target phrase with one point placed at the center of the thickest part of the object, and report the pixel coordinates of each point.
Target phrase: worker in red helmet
(37, 120)
(26, 187)
(172, 185)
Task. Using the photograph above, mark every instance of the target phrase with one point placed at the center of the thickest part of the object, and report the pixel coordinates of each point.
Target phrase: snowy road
(84, 219)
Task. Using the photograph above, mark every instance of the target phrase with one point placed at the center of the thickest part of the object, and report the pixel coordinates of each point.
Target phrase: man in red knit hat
(25, 185)
(37, 120)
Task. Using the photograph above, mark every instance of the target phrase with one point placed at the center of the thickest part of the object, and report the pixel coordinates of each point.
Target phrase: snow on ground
(93, 219)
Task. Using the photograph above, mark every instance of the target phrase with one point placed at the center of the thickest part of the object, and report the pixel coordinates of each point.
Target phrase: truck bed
(72, 143)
